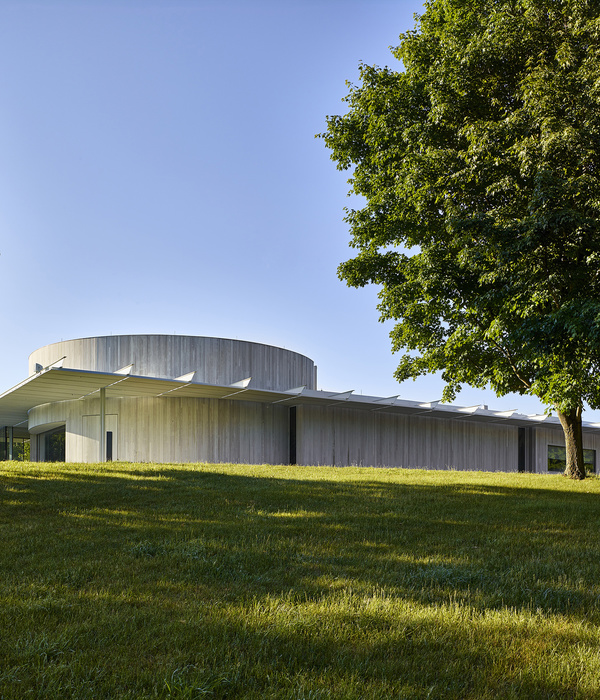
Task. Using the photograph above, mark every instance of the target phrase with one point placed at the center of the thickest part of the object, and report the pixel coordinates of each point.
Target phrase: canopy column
(11, 442)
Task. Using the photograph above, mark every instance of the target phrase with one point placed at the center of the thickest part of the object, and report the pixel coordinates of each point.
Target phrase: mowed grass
(228, 581)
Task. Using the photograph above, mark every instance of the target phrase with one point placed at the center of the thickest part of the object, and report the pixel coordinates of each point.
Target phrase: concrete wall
(209, 430)
(341, 437)
(215, 360)
(545, 436)
(171, 430)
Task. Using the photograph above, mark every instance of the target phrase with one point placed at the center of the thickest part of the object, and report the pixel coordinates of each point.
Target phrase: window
(15, 445)
(54, 445)
(109, 444)
(21, 449)
(557, 459)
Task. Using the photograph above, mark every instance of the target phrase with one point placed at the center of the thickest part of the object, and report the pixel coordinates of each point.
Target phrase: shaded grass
(228, 581)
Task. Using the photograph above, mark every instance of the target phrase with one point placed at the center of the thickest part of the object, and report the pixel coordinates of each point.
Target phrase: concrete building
(161, 398)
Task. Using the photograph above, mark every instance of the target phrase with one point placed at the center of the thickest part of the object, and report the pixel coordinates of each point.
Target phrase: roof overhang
(64, 384)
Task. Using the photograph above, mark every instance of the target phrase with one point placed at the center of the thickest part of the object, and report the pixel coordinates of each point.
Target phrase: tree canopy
(478, 160)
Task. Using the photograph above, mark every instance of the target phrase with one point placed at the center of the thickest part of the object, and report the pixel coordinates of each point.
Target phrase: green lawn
(225, 581)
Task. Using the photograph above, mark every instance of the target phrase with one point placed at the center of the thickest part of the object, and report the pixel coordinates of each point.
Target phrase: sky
(159, 173)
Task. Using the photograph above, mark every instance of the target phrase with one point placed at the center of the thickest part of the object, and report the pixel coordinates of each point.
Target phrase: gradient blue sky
(159, 174)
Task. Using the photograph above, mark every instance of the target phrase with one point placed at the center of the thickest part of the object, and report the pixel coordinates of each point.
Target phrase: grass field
(225, 581)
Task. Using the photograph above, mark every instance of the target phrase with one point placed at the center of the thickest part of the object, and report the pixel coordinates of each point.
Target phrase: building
(163, 398)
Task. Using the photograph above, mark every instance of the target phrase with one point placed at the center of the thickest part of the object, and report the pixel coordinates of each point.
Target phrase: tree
(479, 164)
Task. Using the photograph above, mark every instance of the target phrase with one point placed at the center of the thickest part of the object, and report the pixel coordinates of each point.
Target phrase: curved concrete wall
(168, 430)
(215, 360)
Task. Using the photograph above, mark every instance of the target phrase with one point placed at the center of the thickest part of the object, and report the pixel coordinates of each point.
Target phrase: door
(91, 437)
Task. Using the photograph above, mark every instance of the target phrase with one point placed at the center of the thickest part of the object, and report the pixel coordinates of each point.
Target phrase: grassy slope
(171, 581)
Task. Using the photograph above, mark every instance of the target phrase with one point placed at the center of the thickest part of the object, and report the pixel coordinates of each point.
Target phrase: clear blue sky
(159, 174)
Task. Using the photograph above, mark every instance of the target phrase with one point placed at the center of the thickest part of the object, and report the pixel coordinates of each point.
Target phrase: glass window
(557, 459)
(54, 445)
(21, 450)
(20, 446)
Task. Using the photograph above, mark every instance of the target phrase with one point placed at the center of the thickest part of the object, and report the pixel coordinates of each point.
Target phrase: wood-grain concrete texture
(215, 360)
(342, 437)
(168, 430)
(545, 436)
(211, 430)
(173, 428)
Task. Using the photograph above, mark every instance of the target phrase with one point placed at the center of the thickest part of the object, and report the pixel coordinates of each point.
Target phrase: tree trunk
(571, 424)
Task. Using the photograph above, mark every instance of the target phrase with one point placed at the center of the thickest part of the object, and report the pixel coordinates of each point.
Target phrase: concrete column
(11, 442)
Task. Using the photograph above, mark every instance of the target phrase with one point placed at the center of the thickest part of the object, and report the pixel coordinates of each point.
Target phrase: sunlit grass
(229, 581)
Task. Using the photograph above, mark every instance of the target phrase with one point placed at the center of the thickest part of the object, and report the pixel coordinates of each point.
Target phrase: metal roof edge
(26, 398)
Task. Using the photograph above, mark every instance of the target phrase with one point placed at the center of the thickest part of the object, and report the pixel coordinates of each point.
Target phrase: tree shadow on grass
(492, 546)
(304, 576)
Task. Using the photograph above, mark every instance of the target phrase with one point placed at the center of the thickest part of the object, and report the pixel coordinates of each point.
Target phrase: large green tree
(478, 159)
